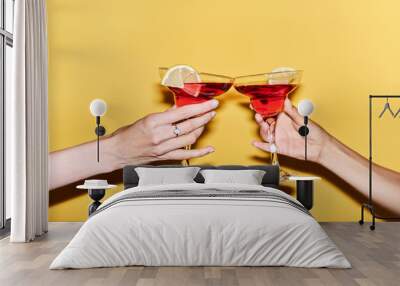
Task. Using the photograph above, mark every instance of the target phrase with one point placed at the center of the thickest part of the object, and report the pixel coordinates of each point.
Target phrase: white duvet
(200, 231)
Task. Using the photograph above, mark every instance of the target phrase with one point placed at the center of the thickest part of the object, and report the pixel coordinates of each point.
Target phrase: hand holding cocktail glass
(192, 87)
(267, 91)
(267, 94)
(285, 128)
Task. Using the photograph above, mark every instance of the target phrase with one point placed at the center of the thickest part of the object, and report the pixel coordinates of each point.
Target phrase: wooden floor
(375, 257)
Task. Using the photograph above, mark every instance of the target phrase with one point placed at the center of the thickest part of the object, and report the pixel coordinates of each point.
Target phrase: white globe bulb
(98, 107)
(305, 107)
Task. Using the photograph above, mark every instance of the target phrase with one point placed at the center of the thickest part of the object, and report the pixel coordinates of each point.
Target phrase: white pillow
(248, 177)
(166, 176)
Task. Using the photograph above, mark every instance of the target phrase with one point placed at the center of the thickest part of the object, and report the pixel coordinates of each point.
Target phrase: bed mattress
(201, 225)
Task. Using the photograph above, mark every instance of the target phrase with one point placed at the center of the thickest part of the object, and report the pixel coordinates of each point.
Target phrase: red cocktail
(266, 99)
(192, 93)
(267, 93)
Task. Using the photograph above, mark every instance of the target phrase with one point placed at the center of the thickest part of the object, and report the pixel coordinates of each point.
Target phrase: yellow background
(112, 49)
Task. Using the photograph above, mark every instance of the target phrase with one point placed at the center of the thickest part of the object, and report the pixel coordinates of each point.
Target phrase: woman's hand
(147, 140)
(283, 131)
(330, 153)
(153, 139)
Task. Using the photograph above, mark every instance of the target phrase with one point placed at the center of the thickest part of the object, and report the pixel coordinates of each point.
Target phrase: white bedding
(185, 231)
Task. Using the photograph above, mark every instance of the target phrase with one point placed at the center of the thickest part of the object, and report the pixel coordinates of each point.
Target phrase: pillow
(166, 176)
(248, 177)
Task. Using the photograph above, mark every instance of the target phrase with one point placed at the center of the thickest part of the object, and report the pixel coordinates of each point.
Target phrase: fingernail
(288, 103)
(211, 149)
(214, 103)
(213, 113)
(273, 148)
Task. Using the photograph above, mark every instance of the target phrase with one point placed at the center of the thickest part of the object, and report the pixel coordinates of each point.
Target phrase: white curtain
(26, 124)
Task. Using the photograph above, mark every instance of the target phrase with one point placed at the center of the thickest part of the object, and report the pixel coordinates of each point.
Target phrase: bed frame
(270, 179)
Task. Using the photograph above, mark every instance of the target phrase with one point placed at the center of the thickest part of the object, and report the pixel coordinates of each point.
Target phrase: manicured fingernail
(273, 148)
(288, 103)
(213, 113)
(214, 103)
(211, 149)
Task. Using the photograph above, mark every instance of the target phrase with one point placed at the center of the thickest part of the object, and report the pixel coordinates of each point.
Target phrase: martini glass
(267, 93)
(198, 88)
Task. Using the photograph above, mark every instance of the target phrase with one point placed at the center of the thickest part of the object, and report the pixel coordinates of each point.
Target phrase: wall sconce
(305, 108)
(98, 108)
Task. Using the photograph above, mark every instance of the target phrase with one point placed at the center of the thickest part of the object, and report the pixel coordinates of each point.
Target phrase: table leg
(305, 193)
(96, 195)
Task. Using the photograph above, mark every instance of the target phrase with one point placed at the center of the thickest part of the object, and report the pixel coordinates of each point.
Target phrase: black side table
(305, 190)
(96, 195)
(96, 190)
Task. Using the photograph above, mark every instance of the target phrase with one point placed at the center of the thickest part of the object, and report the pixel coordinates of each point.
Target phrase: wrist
(108, 149)
(329, 152)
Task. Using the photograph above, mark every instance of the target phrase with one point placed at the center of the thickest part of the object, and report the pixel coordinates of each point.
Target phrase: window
(6, 61)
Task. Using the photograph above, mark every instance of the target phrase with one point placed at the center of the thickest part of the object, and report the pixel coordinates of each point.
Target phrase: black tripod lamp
(305, 108)
(98, 108)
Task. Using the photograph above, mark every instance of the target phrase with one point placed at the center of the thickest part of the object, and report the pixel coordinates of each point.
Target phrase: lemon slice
(281, 75)
(176, 76)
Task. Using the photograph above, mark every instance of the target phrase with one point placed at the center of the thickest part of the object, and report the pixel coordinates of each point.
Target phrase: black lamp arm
(303, 131)
(99, 131)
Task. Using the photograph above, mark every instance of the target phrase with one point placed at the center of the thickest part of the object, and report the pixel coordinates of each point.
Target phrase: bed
(201, 224)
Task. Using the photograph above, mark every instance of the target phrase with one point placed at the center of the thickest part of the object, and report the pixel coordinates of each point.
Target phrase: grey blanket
(203, 194)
